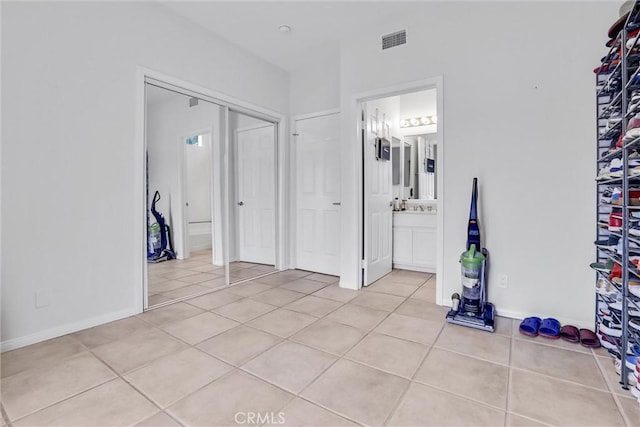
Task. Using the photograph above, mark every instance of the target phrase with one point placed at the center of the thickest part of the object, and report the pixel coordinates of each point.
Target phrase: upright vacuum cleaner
(160, 245)
(473, 310)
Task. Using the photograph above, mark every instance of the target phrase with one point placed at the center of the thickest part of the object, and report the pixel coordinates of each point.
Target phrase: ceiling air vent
(394, 39)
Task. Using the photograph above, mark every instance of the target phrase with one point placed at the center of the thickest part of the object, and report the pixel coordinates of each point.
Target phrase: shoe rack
(618, 147)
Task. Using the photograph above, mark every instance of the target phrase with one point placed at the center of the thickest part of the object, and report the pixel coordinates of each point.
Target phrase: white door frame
(356, 107)
(293, 237)
(144, 75)
(184, 190)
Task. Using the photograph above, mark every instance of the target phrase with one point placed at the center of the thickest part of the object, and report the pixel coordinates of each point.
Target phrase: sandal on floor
(550, 328)
(570, 333)
(589, 339)
(529, 326)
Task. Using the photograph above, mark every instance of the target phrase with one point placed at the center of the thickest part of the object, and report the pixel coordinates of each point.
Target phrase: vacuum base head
(484, 321)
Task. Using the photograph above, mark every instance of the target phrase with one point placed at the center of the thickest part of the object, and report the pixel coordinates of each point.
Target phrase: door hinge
(363, 264)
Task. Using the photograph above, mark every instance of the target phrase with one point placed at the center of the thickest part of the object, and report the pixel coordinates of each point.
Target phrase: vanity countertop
(412, 212)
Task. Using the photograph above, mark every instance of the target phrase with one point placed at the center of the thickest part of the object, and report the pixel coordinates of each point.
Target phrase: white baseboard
(58, 331)
(410, 267)
(514, 314)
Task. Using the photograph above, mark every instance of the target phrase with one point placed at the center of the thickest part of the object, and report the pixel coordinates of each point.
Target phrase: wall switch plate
(42, 298)
(503, 281)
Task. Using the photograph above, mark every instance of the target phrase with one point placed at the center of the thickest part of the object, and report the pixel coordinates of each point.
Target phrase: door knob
(240, 203)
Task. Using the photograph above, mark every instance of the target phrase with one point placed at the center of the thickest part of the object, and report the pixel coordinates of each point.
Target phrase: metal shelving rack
(615, 82)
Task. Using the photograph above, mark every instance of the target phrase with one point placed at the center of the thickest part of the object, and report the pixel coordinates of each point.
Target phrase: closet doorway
(207, 158)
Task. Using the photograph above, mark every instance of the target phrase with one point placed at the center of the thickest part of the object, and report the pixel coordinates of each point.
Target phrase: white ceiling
(317, 27)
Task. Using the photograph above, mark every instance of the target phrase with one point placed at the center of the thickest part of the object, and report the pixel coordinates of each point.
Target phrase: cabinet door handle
(240, 203)
(336, 203)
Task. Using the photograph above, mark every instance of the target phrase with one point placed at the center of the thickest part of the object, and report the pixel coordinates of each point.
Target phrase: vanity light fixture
(418, 121)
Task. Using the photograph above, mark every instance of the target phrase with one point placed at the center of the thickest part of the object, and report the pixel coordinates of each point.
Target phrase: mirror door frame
(227, 103)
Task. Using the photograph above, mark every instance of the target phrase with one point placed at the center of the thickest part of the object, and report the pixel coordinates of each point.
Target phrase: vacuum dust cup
(471, 262)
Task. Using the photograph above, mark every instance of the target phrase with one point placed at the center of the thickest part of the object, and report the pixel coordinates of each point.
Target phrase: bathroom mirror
(422, 154)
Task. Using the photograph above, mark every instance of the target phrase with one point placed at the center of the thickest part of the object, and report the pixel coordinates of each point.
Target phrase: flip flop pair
(534, 326)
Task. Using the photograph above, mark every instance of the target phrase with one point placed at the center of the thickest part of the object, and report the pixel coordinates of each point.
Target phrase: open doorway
(401, 223)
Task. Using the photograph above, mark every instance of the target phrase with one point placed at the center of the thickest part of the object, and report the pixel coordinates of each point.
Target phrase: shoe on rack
(610, 328)
(632, 247)
(606, 289)
(607, 193)
(604, 266)
(608, 342)
(616, 271)
(609, 243)
(635, 324)
(634, 230)
(615, 221)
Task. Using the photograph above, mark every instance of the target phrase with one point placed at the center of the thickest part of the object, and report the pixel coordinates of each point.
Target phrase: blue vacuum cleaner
(473, 310)
(159, 241)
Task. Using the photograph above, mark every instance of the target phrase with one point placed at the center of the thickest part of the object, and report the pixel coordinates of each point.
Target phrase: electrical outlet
(503, 281)
(42, 298)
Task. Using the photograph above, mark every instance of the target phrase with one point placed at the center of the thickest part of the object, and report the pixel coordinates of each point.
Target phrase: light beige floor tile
(361, 393)
(324, 278)
(277, 296)
(179, 273)
(302, 413)
(389, 354)
(425, 293)
(240, 344)
(630, 409)
(329, 336)
(38, 388)
(159, 287)
(410, 328)
(314, 306)
(169, 379)
(262, 269)
(170, 313)
(337, 293)
(215, 283)
(159, 420)
(410, 277)
(357, 316)
(186, 291)
(558, 363)
(392, 288)
(138, 349)
(248, 289)
(424, 406)
(560, 403)
(199, 328)
(514, 420)
(465, 376)
(378, 301)
(190, 263)
(503, 325)
(240, 265)
(304, 285)
(275, 279)
(197, 278)
(289, 365)
(281, 322)
(422, 309)
(208, 268)
(245, 273)
(112, 404)
(214, 300)
(475, 343)
(110, 332)
(244, 310)
(221, 402)
(431, 282)
(157, 299)
(45, 353)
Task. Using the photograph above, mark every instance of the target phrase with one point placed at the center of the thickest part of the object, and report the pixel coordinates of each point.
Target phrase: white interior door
(318, 194)
(256, 195)
(377, 207)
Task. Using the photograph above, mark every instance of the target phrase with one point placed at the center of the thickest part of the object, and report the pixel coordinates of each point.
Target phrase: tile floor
(294, 349)
(177, 279)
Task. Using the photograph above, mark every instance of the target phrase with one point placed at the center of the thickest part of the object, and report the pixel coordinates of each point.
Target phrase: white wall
(315, 86)
(70, 191)
(169, 121)
(519, 115)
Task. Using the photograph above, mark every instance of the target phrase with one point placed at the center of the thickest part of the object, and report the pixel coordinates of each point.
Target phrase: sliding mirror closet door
(252, 197)
(184, 197)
